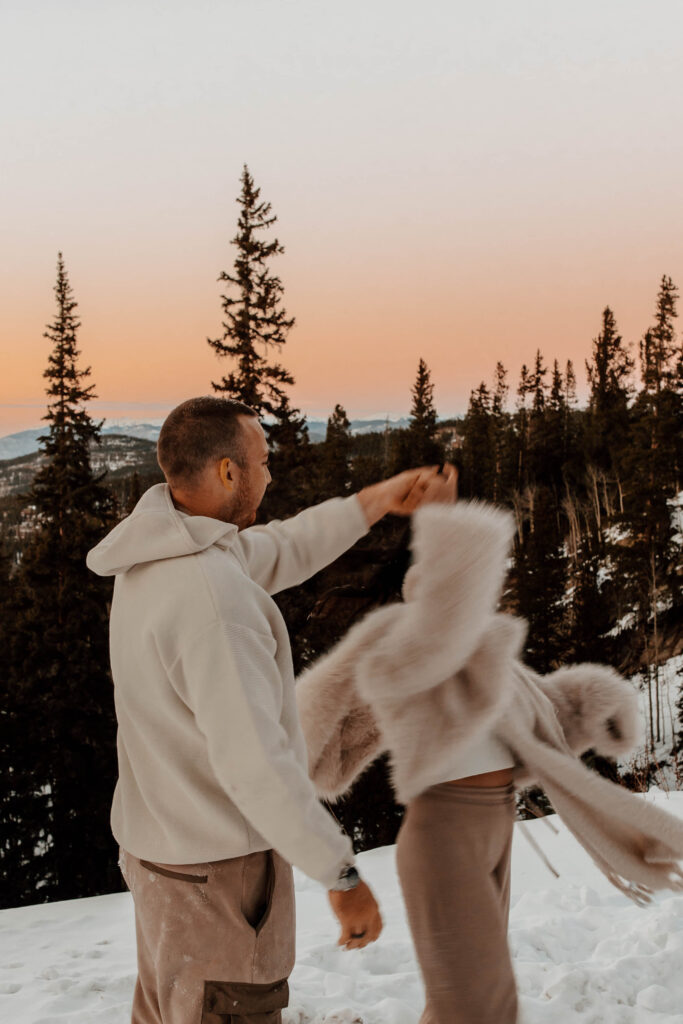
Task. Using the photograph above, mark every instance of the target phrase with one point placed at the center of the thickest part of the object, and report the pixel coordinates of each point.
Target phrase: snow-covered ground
(670, 771)
(583, 952)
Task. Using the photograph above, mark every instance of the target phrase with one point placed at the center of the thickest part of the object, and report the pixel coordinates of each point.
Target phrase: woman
(453, 857)
(438, 682)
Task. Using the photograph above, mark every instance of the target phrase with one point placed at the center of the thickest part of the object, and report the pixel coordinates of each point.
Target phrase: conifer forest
(595, 489)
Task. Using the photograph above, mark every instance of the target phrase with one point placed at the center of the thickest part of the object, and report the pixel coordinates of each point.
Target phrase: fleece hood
(155, 529)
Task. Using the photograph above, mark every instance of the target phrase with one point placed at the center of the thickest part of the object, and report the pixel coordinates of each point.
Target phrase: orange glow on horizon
(455, 187)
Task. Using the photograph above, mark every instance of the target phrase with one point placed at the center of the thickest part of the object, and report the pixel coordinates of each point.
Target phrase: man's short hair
(199, 431)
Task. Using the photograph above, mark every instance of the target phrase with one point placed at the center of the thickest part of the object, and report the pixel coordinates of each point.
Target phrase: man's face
(253, 476)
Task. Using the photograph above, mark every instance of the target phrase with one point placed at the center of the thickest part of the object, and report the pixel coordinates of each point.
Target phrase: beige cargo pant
(215, 941)
(453, 858)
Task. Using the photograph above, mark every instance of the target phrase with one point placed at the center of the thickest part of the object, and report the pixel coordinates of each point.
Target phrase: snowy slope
(583, 952)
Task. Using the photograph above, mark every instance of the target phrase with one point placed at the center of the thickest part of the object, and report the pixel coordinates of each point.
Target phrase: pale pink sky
(458, 182)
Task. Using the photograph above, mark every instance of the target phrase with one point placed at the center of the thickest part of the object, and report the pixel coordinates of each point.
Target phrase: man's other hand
(401, 495)
(359, 916)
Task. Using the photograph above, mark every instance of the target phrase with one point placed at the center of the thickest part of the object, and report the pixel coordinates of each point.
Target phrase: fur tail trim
(637, 846)
(597, 708)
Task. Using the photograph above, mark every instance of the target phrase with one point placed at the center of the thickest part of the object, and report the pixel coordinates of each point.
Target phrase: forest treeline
(595, 568)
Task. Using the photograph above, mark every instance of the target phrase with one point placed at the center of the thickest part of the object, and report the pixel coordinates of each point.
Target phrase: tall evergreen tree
(478, 450)
(58, 697)
(256, 322)
(500, 430)
(134, 492)
(555, 428)
(501, 389)
(538, 385)
(609, 375)
(658, 406)
(539, 578)
(423, 444)
(336, 453)
(292, 465)
(658, 349)
(540, 458)
(648, 564)
(522, 425)
(570, 385)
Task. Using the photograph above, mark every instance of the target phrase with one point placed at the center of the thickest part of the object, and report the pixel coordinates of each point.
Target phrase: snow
(626, 622)
(582, 951)
(616, 534)
(668, 772)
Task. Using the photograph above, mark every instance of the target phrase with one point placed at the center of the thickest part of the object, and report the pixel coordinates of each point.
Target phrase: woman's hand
(401, 495)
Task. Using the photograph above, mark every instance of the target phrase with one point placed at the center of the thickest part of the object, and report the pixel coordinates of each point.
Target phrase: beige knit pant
(215, 941)
(454, 866)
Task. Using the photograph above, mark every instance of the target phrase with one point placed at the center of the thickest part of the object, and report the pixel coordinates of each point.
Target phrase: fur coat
(443, 668)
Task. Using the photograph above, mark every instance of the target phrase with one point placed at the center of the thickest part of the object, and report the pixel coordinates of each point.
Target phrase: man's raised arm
(284, 553)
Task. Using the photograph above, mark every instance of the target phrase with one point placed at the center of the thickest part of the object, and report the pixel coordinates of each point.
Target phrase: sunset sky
(463, 182)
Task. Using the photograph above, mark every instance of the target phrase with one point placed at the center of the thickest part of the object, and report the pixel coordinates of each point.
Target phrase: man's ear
(225, 471)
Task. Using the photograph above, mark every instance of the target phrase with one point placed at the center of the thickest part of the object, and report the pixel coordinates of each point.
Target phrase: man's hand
(358, 914)
(401, 495)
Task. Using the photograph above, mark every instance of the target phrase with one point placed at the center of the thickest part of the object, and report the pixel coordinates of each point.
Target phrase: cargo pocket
(258, 885)
(227, 1002)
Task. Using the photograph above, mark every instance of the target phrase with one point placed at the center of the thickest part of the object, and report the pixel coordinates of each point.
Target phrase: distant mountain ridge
(118, 455)
(25, 442)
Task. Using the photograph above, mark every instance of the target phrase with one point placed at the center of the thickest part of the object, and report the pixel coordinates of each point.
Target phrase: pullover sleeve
(251, 753)
(284, 553)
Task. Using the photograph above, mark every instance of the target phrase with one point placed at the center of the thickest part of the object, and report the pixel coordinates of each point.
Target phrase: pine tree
(255, 322)
(423, 446)
(658, 405)
(609, 375)
(541, 458)
(648, 563)
(478, 449)
(59, 701)
(500, 429)
(556, 397)
(522, 428)
(5, 585)
(658, 349)
(134, 492)
(539, 578)
(570, 386)
(554, 429)
(335, 462)
(501, 390)
(538, 385)
(591, 612)
(292, 465)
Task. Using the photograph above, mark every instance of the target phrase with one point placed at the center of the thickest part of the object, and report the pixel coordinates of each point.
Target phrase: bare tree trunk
(570, 510)
(595, 495)
(518, 509)
(655, 640)
(530, 498)
(649, 702)
(606, 496)
(621, 495)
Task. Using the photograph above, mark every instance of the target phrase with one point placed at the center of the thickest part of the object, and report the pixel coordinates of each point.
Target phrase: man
(213, 802)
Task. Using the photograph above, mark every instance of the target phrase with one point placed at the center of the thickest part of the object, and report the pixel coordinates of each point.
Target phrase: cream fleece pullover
(212, 760)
